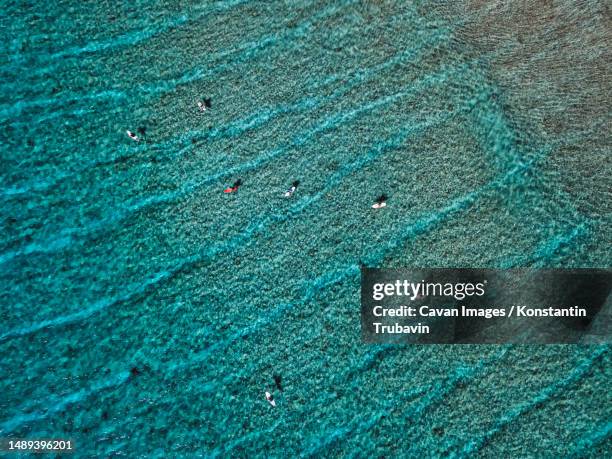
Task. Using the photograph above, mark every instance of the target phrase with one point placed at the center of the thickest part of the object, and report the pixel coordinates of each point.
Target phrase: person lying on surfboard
(380, 202)
(203, 105)
(291, 190)
(132, 136)
(270, 399)
(234, 187)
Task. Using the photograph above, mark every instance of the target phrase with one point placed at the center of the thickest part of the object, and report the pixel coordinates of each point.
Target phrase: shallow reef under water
(144, 312)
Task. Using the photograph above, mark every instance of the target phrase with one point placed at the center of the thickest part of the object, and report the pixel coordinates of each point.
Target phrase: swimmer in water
(132, 136)
(204, 105)
(270, 399)
(234, 187)
(380, 202)
(291, 190)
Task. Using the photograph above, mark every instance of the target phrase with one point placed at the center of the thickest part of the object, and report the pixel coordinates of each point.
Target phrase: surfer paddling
(234, 187)
(381, 202)
(292, 189)
(132, 136)
(270, 399)
(205, 104)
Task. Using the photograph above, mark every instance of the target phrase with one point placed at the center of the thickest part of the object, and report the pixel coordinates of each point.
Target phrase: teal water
(485, 125)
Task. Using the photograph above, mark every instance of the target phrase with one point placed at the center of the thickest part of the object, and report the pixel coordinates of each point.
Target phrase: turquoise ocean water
(144, 312)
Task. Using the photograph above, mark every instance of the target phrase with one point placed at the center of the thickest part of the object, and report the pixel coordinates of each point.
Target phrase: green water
(116, 255)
